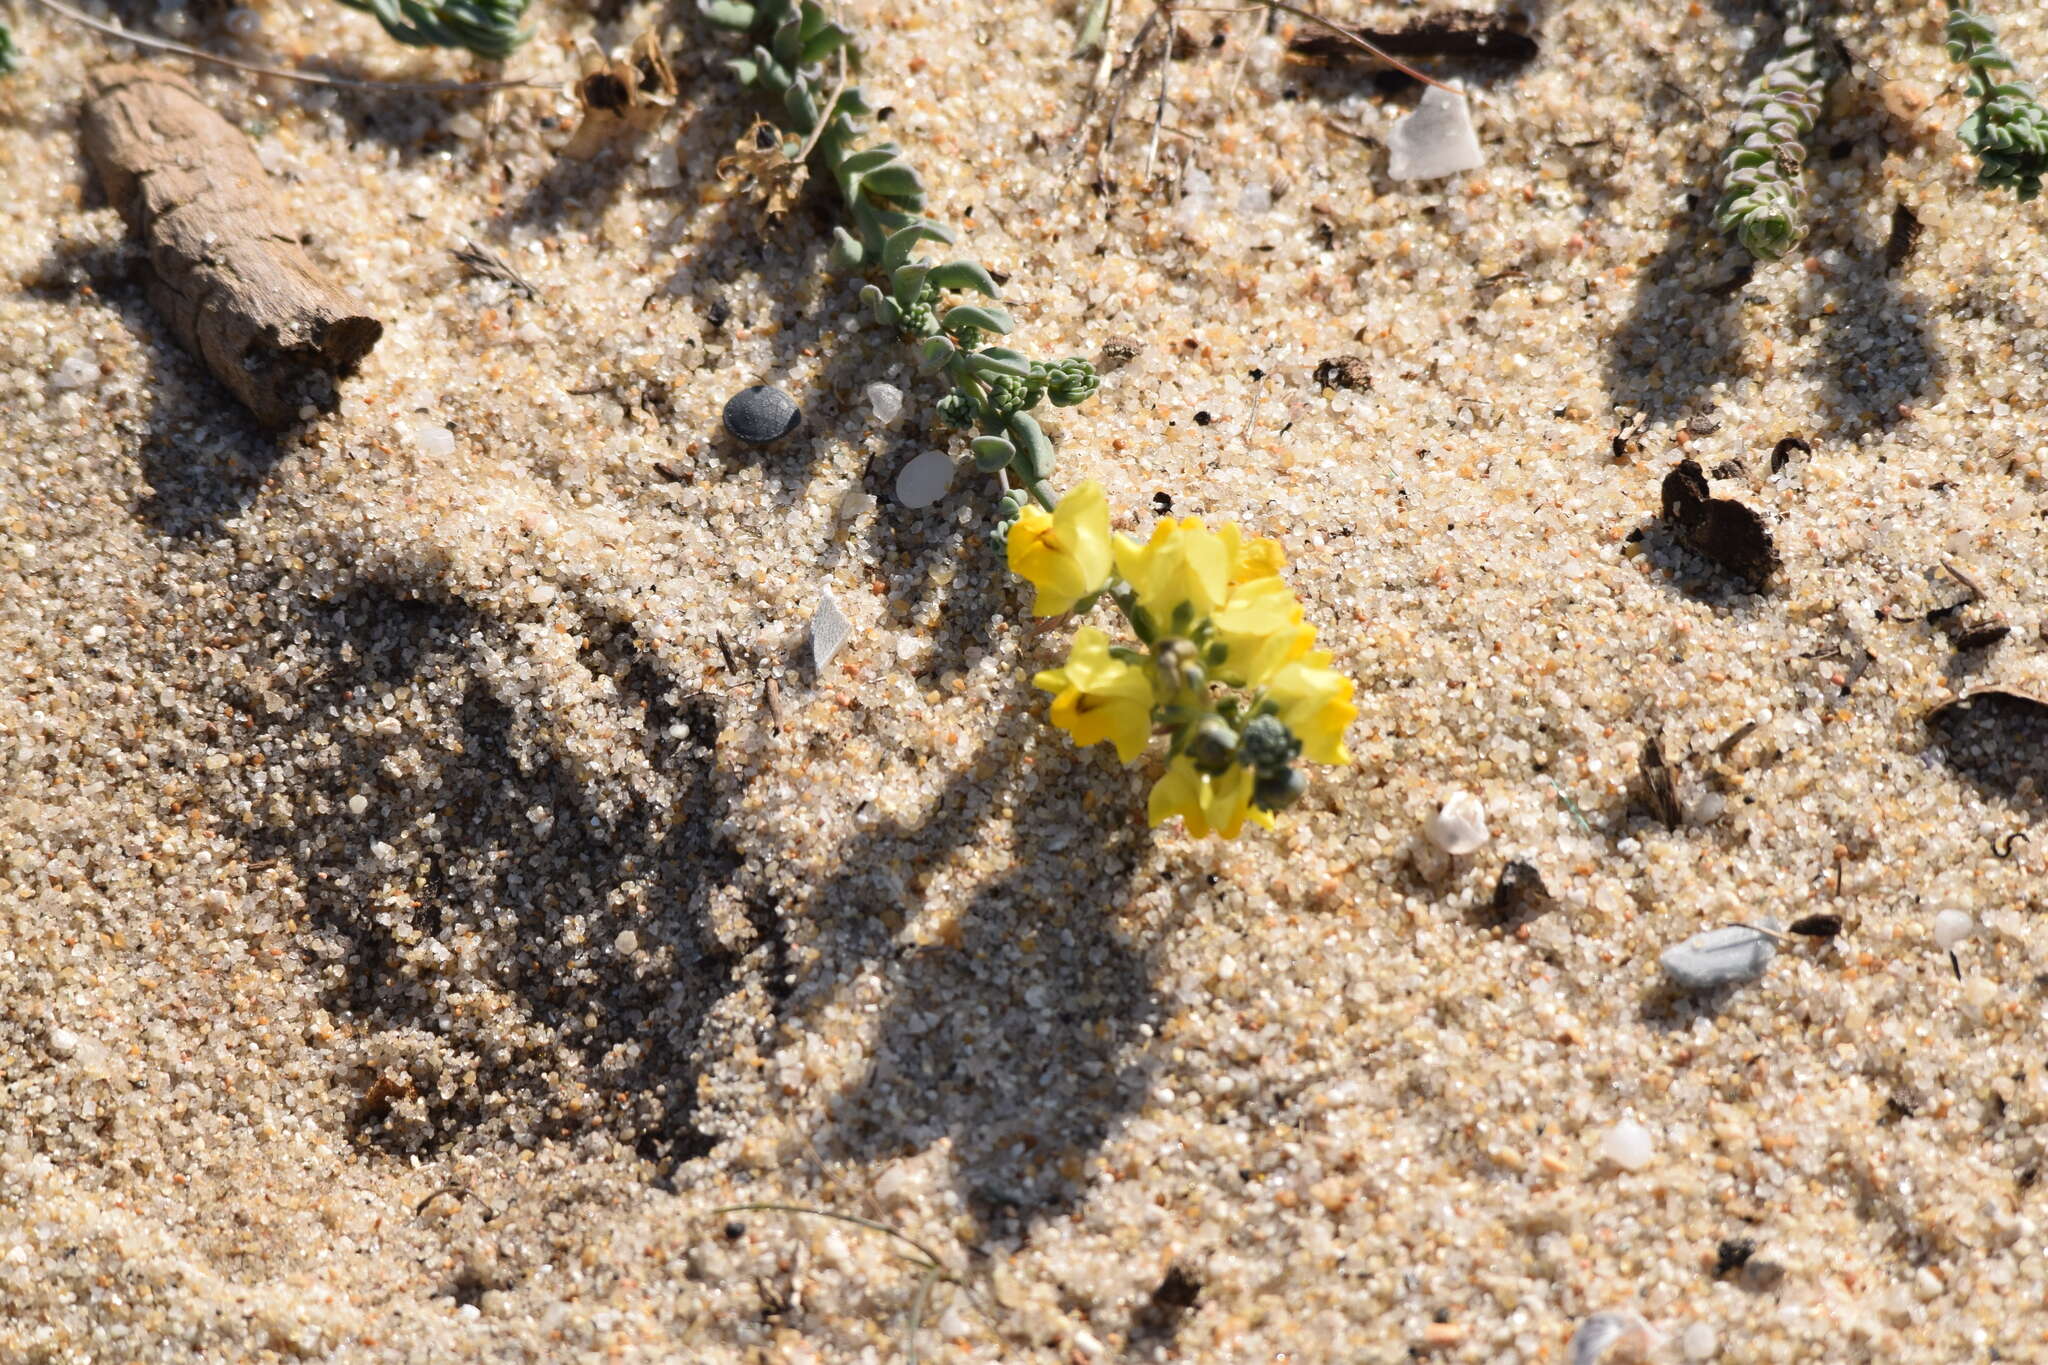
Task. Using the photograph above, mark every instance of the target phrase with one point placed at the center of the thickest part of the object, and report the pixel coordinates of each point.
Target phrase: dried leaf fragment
(1723, 530)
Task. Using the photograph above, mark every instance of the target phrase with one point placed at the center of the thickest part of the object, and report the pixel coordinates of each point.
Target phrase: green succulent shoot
(488, 28)
(10, 56)
(1764, 195)
(2008, 130)
(946, 309)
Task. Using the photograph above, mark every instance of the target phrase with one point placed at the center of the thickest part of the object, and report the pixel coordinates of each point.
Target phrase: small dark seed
(1733, 1254)
(1818, 926)
(1202, 419)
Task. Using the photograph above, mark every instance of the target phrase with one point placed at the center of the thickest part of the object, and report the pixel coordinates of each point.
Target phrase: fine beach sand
(434, 882)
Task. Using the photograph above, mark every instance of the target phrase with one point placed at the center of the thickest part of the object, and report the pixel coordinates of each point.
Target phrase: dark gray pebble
(761, 414)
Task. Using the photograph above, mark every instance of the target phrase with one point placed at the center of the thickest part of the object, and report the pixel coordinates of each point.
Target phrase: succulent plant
(1764, 195)
(2008, 130)
(489, 28)
(795, 43)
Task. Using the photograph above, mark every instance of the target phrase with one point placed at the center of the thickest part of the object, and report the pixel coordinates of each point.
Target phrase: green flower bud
(1279, 790)
(1213, 745)
(1269, 746)
(956, 409)
(1070, 381)
(1180, 665)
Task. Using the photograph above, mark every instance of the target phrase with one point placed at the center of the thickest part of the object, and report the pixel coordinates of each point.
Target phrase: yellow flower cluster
(1213, 612)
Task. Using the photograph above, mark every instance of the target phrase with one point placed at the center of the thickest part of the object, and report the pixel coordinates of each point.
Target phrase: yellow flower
(1063, 553)
(1183, 564)
(1261, 627)
(1206, 805)
(1315, 703)
(1252, 559)
(1099, 697)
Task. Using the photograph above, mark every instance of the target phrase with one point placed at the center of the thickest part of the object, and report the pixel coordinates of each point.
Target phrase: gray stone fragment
(829, 629)
(1719, 957)
(761, 414)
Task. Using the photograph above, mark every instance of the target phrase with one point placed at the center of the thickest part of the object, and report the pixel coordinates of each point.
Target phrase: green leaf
(896, 251)
(788, 43)
(970, 315)
(963, 275)
(803, 111)
(991, 453)
(817, 49)
(1034, 447)
(896, 180)
(847, 252)
(991, 362)
(936, 354)
(733, 14)
(907, 281)
(745, 71)
(882, 306)
(868, 159)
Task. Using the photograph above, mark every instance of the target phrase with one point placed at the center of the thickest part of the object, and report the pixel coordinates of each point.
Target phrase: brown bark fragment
(226, 270)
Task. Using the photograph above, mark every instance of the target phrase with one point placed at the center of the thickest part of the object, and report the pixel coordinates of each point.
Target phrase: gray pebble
(1719, 957)
(761, 414)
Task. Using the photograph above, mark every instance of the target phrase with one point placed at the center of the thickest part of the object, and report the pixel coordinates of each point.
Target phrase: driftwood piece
(226, 270)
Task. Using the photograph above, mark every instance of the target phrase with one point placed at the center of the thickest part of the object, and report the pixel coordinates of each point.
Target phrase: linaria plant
(1763, 193)
(488, 28)
(2008, 130)
(1221, 661)
(10, 56)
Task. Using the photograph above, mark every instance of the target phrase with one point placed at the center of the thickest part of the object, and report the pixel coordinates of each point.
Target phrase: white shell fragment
(1719, 957)
(1952, 927)
(829, 629)
(1459, 826)
(1611, 1339)
(1435, 140)
(924, 480)
(1628, 1145)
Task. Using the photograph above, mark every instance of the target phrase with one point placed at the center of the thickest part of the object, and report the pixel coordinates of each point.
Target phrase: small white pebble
(63, 1042)
(855, 504)
(1700, 1342)
(358, 803)
(908, 647)
(465, 125)
(627, 943)
(924, 480)
(1459, 826)
(1628, 1145)
(75, 373)
(1610, 1339)
(1952, 927)
(887, 401)
(1435, 140)
(432, 439)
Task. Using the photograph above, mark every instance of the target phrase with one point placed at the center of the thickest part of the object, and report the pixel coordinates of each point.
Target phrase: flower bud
(1213, 745)
(1279, 790)
(1269, 746)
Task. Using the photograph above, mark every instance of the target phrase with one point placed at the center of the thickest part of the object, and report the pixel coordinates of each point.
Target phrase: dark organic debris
(1817, 926)
(1520, 893)
(1628, 439)
(1721, 529)
(1905, 236)
(1737, 281)
(1733, 1254)
(491, 267)
(1998, 738)
(1781, 453)
(1982, 635)
(1343, 372)
(1729, 469)
(1169, 1303)
(1660, 785)
(1455, 34)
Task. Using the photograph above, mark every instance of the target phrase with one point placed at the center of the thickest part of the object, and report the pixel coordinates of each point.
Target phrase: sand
(435, 884)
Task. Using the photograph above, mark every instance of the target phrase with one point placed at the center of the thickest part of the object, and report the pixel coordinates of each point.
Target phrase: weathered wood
(226, 269)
